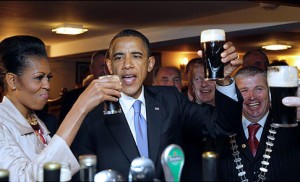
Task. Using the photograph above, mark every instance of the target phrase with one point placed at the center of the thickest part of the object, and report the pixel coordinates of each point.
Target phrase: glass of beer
(283, 82)
(110, 107)
(65, 173)
(212, 41)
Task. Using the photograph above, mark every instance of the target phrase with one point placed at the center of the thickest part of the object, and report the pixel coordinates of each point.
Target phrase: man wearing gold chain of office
(259, 151)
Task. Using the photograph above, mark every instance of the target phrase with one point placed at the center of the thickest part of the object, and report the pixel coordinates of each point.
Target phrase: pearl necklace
(264, 163)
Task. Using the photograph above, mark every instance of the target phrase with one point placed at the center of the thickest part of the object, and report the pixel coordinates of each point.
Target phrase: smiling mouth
(45, 95)
(205, 91)
(254, 104)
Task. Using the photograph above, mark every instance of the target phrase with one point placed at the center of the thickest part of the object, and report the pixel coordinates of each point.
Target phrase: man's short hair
(249, 71)
(133, 33)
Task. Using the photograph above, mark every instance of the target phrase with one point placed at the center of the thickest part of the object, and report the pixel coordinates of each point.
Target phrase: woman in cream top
(25, 143)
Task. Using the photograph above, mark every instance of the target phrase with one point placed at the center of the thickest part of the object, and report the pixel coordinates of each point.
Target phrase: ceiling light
(276, 47)
(70, 29)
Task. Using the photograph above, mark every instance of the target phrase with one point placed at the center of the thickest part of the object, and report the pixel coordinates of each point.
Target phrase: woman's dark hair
(14, 52)
(133, 33)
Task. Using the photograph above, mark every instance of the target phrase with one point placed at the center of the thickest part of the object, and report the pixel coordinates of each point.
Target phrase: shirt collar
(14, 117)
(262, 121)
(127, 101)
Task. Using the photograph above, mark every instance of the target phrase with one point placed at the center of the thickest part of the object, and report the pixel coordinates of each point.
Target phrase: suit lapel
(153, 110)
(263, 139)
(243, 143)
(120, 130)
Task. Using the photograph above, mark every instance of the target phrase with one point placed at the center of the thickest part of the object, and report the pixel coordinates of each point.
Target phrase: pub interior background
(173, 28)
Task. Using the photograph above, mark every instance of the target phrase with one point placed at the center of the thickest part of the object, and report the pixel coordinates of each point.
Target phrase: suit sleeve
(229, 113)
(206, 120)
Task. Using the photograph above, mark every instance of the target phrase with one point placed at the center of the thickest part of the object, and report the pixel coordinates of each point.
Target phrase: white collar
(262, 121)
(127, 101)
(17, 119)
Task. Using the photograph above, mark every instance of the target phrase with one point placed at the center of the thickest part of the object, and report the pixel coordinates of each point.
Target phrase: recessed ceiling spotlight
(276, 47)
(69, 29)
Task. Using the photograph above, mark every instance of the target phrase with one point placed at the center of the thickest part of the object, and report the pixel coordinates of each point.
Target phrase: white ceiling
(170, 25)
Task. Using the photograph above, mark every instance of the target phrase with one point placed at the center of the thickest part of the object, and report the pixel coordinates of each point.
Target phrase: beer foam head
(212, 35)
(282, 76)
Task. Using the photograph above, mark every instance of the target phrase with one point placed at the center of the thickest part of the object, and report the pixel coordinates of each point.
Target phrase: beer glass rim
(283, 66)
(283, 79)
(214, 34)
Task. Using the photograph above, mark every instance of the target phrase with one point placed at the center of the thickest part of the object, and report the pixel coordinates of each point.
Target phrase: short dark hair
(133, 33)
(279, 63)
(14, 52)
(257, 52)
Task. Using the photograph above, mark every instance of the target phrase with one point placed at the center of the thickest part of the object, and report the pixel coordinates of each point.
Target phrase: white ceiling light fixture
(276, 47)
(69, 29)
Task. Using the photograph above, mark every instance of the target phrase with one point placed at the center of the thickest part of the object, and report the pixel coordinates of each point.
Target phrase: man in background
(201, 92)
(256, 58)
(186, 90)
(167, 76)
(97, 68)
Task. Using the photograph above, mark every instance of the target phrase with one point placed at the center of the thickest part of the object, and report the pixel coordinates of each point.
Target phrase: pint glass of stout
(212, 41)
(283, 82)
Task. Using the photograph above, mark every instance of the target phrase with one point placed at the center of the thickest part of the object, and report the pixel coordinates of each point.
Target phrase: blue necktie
(140, 126)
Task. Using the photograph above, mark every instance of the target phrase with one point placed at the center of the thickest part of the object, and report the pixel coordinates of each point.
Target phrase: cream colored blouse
(21, 151)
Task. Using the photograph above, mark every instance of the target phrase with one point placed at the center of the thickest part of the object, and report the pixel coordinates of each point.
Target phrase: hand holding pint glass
(111, 107)
(212, 41)
(283, 82)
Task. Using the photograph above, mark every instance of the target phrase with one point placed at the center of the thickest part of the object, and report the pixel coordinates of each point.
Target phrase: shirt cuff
(228, 90)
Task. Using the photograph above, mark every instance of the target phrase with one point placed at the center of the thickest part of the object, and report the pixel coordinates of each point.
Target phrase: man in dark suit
(277, 156)
(97, 68)
(167, 112)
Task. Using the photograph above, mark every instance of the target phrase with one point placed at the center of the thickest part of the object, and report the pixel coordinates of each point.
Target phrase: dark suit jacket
(284, 162)
(68, 99)
(192, 170)
(169, 113)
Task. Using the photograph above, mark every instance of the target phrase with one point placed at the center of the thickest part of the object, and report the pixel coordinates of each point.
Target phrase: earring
(14, 87)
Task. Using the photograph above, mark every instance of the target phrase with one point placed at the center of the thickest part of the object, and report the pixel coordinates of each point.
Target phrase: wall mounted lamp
(69, 29)
(183, 62)
(276, 47)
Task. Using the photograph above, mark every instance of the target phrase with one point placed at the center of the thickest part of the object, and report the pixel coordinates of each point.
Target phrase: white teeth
(127, 76)
(254, 104)
(205, 91)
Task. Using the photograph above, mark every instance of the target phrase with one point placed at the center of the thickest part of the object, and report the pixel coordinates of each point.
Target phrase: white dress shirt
(262, 122)
(126, 103)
